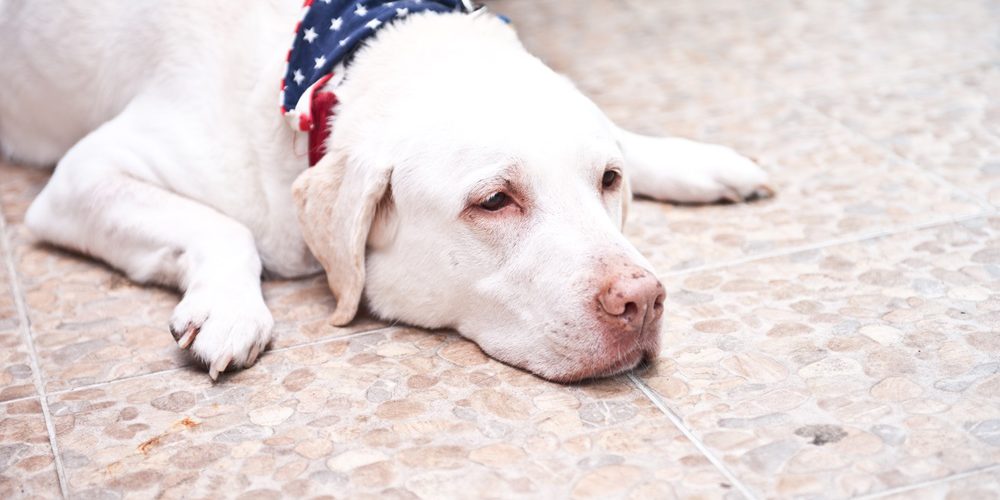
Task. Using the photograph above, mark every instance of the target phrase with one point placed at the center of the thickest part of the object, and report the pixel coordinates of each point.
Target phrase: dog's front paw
(717, 173)
(685, 171)
(222, 328)
(730, 176)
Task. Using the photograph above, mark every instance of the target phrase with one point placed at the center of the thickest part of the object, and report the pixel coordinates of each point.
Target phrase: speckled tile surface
(27, 469)
(389, 415)
(846, 370)
(831, 183)
(16, 375)
(804, 45)
(947, 124)
(838, 340)
(979, 486)
(625, 64)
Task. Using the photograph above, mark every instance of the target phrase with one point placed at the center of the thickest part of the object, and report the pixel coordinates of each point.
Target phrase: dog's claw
(253, 354)
(188, 337)
(731, 195)
(219, 366)
(761, 192)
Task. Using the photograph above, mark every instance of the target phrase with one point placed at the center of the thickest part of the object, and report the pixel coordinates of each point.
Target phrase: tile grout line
(940, 180)
(120, 379)
(834, 242)
(22, 313)
(689, 434)
(349, 336)
(931, 482)
(18, 400)
(104, 383)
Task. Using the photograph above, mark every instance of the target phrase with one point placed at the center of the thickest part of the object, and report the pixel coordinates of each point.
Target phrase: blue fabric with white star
(331, 30)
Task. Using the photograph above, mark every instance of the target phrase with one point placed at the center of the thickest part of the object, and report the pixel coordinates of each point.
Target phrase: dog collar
(329, 32)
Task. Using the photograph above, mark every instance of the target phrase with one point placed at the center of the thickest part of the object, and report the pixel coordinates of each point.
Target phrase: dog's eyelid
(507, 181)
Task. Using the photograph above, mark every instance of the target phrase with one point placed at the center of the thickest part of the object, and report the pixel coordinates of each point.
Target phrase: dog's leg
(96, 205)
(685, 171)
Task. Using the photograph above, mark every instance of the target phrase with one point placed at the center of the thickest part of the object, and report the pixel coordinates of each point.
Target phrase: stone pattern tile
(386, 415)
(90, 324)
(846, 370)
(16, 375)
(8, 309)
(830, 183)
(798, 46)
(623, 64)
(27, 469)
(949, 124)
(982, 486)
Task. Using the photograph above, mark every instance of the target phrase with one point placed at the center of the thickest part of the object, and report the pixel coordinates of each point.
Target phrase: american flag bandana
(329, 32)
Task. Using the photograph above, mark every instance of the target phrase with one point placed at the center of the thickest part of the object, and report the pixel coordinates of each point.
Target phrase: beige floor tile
(18, 186)
(949, 125)
(621, 63)
(90, 324)
(846, 370)
(27, 469)
(830, 184)
(802, 45)
(386, 414)
(8, 309)
(16, 375)
(982, 486)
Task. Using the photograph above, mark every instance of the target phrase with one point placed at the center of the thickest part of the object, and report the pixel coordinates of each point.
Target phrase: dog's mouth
(636, 359)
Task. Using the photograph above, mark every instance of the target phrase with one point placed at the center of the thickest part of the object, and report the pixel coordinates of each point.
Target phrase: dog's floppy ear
(337, 200)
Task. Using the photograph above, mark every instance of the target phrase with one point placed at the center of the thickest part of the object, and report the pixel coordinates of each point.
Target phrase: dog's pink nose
(634, 297)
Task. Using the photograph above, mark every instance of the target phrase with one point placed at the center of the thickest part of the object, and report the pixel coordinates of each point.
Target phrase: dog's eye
(610, 179)
(495, 202)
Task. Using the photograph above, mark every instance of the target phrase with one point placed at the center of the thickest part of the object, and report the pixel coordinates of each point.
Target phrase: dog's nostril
(631, 309)
(658, 303)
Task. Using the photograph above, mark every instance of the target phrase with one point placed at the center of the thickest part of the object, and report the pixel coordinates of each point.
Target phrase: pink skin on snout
(627, 310)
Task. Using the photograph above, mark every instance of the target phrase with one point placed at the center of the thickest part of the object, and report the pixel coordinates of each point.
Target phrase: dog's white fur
(175, 166)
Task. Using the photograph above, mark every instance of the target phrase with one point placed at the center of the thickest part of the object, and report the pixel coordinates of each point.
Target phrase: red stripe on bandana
(322, 110)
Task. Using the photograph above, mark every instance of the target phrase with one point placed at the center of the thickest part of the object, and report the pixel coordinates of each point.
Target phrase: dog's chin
(620, 363)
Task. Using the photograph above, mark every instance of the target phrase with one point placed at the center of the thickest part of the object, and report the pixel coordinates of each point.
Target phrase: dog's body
(175, 166)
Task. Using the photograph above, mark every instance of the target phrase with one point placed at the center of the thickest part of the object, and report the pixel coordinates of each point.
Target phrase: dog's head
(490, 199)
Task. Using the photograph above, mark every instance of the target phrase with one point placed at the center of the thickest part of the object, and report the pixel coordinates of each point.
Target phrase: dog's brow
(506, 178)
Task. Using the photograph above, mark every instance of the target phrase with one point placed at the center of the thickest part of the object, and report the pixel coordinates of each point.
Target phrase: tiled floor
(842, 339)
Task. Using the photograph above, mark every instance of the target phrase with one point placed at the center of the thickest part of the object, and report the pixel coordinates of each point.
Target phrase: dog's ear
(337, 200)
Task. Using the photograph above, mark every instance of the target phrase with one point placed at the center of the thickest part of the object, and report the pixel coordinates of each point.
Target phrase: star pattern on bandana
(331, 30)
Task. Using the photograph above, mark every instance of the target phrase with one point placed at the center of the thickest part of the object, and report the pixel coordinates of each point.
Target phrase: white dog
(465, 184)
